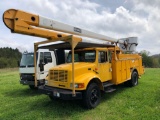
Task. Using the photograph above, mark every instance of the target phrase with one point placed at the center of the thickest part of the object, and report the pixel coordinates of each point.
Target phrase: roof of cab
(80, 45)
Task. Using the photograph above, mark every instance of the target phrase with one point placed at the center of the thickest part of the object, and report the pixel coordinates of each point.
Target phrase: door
(104, 66)
(50, 58)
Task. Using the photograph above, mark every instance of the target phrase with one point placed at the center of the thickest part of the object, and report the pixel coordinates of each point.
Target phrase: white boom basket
(128, 44)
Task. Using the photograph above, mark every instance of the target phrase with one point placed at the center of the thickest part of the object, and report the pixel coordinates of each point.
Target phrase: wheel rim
(94, 96)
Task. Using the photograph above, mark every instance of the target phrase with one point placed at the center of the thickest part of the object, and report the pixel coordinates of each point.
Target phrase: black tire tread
(86, 96)
(32, 87)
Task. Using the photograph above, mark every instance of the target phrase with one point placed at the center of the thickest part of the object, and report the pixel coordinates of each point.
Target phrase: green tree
(156, 63)
(9, 57)
(159, 61)
(146, 59)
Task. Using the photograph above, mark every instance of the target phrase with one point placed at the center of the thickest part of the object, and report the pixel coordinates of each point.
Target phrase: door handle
(110, 69)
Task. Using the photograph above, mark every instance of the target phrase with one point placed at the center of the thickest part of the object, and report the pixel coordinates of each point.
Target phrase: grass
(18, 102)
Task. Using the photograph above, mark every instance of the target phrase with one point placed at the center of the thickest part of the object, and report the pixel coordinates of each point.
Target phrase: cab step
(108, 87)
(109, 90)
(107, 84)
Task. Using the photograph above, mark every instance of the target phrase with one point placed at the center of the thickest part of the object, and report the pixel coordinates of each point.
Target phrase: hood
(77, 65)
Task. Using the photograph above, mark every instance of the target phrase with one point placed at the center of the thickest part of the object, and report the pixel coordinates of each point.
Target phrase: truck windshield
(82, 56)
(27, 60)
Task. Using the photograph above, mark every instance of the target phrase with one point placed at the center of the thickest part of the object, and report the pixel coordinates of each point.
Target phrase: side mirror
(45, 60)
(41, 65)
(18, 63)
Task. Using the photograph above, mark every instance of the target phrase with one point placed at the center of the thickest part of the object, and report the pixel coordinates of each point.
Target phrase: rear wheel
(92, 96)
(133, 81)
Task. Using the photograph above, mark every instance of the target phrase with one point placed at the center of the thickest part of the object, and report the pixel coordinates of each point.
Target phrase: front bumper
(28, 82)
(59, 93)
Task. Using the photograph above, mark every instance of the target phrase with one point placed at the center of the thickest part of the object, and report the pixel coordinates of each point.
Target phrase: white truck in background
(45, 56)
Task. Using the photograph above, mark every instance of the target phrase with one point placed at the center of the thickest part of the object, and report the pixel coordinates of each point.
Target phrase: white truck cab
(45, 56)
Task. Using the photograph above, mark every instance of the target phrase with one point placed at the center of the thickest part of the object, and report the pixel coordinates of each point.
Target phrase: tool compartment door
(123, 72)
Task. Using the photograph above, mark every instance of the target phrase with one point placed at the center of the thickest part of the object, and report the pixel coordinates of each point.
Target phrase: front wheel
(33, 87)
(92, 96)
(52, 98)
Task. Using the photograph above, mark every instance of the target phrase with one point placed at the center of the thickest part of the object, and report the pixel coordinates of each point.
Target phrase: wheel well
(134, 70)
(97, 81)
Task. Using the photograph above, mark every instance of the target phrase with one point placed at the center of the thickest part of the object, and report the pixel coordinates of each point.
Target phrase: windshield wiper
(30, 65)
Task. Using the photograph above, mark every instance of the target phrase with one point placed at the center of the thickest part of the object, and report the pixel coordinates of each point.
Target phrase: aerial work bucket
(128, 44)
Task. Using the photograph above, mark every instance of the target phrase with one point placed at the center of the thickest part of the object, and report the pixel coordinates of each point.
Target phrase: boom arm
(31, 24)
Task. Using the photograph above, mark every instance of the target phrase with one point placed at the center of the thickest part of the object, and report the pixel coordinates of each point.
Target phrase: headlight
(77, 85)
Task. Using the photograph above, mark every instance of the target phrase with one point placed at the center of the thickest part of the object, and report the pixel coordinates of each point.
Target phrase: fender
(133, 69)
(86, 78)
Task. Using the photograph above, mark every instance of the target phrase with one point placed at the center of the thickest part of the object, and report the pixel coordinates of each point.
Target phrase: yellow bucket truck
(92, 66)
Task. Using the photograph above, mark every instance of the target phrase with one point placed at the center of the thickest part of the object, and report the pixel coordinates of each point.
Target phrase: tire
(52, 98)
(133, 81)
(92, 96)
(33, 87)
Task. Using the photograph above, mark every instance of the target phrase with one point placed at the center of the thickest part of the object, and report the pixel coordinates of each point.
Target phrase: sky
(113, 18)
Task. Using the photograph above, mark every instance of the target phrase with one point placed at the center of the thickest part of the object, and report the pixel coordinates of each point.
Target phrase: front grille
(59, 75)
(28, 77)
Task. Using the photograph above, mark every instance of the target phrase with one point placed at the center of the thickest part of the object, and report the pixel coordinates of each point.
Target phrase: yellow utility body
(90, 68)
(104, 65)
